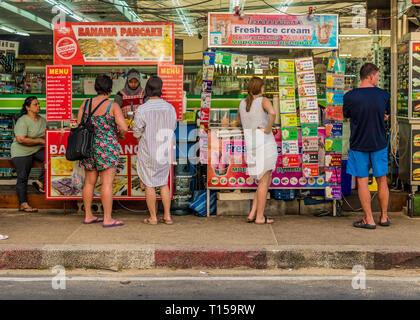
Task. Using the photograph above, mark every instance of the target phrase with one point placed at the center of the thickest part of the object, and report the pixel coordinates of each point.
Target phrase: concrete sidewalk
(51, 238)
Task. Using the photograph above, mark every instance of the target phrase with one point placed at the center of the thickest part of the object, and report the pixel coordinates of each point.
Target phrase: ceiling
(162, 10)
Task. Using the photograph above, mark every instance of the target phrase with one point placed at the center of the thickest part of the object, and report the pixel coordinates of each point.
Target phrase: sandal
(265, 221)
(28, 209)
(97, 220)
(250, 220)
(147, 221)
(384, 224)
(362, 224)
(38, 188)
(165, 221)
(116, 223)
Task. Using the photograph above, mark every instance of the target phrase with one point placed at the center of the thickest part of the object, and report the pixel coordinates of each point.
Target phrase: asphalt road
(210, 285)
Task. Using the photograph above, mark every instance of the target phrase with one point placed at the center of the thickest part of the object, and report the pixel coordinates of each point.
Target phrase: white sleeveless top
(256, 117)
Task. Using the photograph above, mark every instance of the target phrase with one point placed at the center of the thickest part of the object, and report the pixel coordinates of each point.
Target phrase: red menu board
(173, 86)
(59, 93)
(59, 183)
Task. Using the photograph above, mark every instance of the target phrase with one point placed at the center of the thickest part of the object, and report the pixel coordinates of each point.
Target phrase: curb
(149, 257)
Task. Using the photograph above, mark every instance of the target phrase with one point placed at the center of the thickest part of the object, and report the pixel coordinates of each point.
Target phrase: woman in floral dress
(109, 122)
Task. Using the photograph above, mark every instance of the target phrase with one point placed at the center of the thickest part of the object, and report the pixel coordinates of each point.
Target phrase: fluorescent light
(76, 17)
(125, 9)
(285, 5)
(183, 18)
(51, 2)
(7, 29)
(363, 35)
(26, 14)
(63, 8)
(23, 34)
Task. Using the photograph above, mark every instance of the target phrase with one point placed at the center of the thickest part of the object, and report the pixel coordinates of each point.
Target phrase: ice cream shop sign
(227, 30)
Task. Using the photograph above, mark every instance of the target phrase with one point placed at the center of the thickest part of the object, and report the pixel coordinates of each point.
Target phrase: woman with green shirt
(28, 145)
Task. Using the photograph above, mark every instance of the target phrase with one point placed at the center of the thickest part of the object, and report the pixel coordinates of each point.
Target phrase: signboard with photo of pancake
(114, 43)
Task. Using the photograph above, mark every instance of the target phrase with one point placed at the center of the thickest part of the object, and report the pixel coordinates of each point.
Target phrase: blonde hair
(254, 87)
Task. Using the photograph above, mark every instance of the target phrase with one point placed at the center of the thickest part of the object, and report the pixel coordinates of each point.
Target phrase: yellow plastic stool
(373, 187)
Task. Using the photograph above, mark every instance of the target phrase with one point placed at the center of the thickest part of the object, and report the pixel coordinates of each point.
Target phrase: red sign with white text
(114, 43)
(59, 183)
(173, 86)
(59, 93)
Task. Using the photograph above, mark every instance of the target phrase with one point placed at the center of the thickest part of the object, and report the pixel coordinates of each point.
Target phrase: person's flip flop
(362, 224)
(115, 224)
(28, 209)
(384, 224)
(147, 221)
(97, 220)
(38, 188)
(265, 221)
(162, 220)
(3, 237)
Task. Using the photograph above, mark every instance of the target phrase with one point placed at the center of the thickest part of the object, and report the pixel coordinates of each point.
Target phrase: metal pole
(208, 203)
(334, 203)
(394, 75)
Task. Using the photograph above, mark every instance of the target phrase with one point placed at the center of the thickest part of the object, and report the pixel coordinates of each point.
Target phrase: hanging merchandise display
(334, 127)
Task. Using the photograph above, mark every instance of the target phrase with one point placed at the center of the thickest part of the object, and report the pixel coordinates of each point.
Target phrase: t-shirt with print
(25, 126)
(366, 108)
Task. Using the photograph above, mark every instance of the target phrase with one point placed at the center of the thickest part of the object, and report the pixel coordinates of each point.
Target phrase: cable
(360, 209)
(153, 9)
(131, 210)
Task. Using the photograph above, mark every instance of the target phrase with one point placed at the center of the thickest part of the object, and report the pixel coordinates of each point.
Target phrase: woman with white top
(257, 116)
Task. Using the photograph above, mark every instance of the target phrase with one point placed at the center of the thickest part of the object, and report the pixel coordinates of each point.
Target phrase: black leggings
(23, 167)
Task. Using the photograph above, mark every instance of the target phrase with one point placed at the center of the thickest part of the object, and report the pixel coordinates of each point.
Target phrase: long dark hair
(26, 103)
(254, 87)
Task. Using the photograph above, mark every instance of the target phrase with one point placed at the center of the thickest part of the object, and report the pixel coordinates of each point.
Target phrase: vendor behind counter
(131, 97)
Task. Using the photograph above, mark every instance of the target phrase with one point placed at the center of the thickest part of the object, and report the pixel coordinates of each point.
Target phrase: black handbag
(80, 140)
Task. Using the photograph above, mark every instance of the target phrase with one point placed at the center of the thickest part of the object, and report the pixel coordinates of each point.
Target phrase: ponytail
(249, 99)
(254, 88)
(26, 104)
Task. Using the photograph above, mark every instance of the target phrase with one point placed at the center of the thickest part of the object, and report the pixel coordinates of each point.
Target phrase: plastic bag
(199, 203)
(78, 176)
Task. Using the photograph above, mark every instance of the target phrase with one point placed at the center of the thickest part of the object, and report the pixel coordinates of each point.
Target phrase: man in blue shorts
(368, 108)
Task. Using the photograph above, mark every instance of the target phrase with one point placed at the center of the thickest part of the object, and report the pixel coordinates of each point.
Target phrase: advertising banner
(59, 171)
(227, 167)
(114, 43)
(173, 86)
(58, 93)
(227, 30)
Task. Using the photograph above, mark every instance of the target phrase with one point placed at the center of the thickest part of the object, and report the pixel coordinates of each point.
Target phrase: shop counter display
(59, 171)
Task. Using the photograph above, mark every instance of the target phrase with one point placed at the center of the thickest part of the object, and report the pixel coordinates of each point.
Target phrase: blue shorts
(358, 163)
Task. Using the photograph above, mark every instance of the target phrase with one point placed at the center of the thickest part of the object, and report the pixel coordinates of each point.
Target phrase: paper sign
(310, 170)
(307, 90)
(333, 175)
(333, 192)
(305, 77)
(310, 103)
(333, 160)
(262, 63)
(290, 147)
(207, 86)
(223, 58)
(310, 158)
(309, 144)
(208, 73)
(289, 133)
(333, 144)
(209, 58)
(239, 60)
(334, 113)
(286, 79)
(335, 81)
(309, 117)
(286, 65)
(335, 97)
(287, 106)
(336, 65)
(309, 130)
(172, 90)
(334, 129)
(289, 120)
(290, 161)
(287, 93)
(304, 64)
(205, 100)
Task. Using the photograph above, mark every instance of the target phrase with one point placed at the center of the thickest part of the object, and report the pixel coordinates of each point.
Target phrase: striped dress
(154, 122)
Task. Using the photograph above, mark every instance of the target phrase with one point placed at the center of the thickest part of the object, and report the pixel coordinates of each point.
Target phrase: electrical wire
(131, 210)
(155, 9)
(356, 210)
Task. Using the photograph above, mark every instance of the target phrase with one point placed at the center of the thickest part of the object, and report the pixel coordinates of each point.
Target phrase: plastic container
(284, 194)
